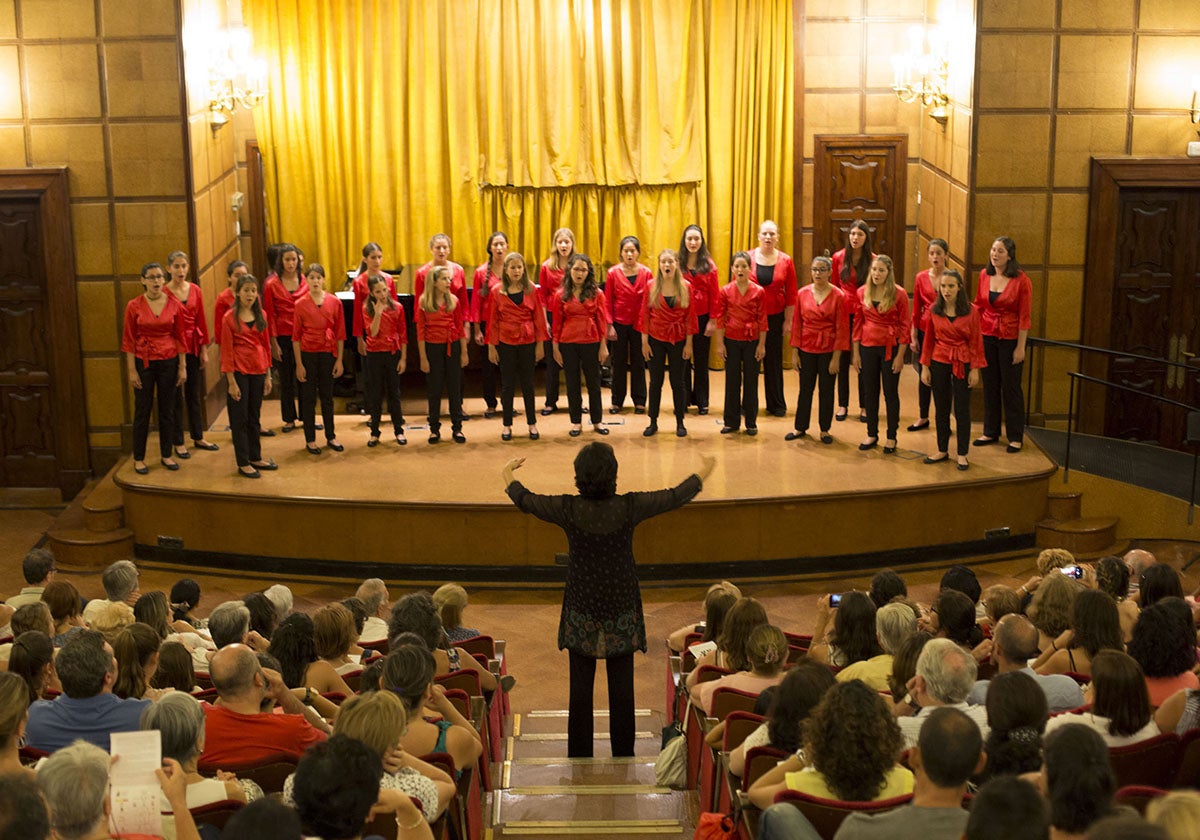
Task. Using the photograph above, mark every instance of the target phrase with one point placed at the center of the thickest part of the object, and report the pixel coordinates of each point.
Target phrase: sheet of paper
(702, 649)
(134, 792)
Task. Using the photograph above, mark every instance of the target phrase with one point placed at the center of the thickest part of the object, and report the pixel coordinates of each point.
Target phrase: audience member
(373, 593)
(952, 616)
(947, 754)
(792, 702)
(74, 782)
(334, 638)
(1053, 559)
(120, 582)
(1179, 712)
(1178, 813)
(1125, 827)
(416, 613)
(87, 708)
(175, 668)
(136, 652)
(767, 650)
(1112, 576)
(1120, 709)
(293, 645)
(1014, 643)
(1137, 560)
(998, 601)
(185, 597)
(885, 586)
(853, 637)
(1077, 779)
(35, 616)
(1050, 609)
(238, 730)
(281, 597)
(904, 668)
(1158, 581)
(945, 676)
(109, 619)
(23, 814)
(1095, 626)
(263, 620)
(963, 579)
(1164, 644)
(66, 610)
(14, 712)
(337, 787)
(1017, 715)
(264, 818)
(730, 654)
(894, 624)
(851, 746)
(33, 661)
(38, 568)
(451, 601)
(1008, 808)
(717, 601)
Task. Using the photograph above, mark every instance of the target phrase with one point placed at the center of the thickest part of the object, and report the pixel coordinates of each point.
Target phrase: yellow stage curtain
(394, 121)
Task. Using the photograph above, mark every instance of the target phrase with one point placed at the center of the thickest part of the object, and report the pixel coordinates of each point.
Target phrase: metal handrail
(1074, 375)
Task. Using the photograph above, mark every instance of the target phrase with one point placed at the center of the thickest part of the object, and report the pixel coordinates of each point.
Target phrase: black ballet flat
(985, 441)
(778, 412)
(826, 437)
(1016, 446)
(205, 445)
(728, 430)
(864, 447)
(489, 413)
(600, 430)
(255, 474)
(459, 437)
(534, 434)
(142, 470)
(318, 426)
(920, 425)
(614, 409)
(651, 430)
(680, 431)
(841, 415)
(506, 435)
(183, 456)
(401, 440)
(435, 437)
(465, 417)
(702, 410)
(288, 427)
(171, 467)
(268, 465)
(336, 447)
(752, 430)
(889, 450)
(575, 432)
(639, 409)
(548, 410)
(964, 467)
(373, 442)
(313, 450)
(929, 459)
(795, 435)
(266, 433)
(862, 417)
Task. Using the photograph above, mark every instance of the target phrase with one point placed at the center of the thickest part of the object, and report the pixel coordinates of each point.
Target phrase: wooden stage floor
(429, 512)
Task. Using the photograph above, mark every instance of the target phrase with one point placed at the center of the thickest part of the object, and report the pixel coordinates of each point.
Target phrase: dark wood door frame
(256, 211)
(49, 187)
(1109, 177)
(822, 179)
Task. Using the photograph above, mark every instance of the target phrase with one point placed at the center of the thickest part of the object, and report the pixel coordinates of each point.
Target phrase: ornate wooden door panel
(860, 177)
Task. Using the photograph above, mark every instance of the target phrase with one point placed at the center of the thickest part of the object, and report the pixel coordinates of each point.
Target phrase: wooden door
(860, 176)
(43, 428)
(1142, 296)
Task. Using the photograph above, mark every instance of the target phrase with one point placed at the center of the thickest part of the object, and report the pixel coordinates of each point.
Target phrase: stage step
(1086, 538)
(77, 541)
(104, 506)
(1064, 505)
(543, 793)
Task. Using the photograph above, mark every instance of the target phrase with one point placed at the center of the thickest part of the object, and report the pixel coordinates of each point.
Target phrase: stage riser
(747, 538)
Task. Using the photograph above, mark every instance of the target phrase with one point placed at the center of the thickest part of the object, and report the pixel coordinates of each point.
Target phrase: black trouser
(585, 357)
(949, 389)
(516, 365)
(552, 369)
(190, 395)
(923, 391)
(662, 353)
(619, 670)
(697, 377)
(741, 383)
(814, 369)
(772, 365)
(160, 375)
(627, 359)
(445, 371)
(286, 367)
(379, 377)
(843, 380)
(243, 417)
(1002, 389)
(488, 373)
(875, 368)
(318, 382)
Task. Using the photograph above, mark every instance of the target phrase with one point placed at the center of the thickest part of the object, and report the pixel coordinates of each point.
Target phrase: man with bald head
(1137, 560)
(241, 728)
(1014, 644)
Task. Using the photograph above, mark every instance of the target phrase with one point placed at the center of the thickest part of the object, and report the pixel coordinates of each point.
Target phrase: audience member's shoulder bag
(716, 827)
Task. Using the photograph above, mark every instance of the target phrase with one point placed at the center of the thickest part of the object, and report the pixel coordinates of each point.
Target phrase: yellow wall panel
(147, 159)
(1093, 71)
(140, 82)
(92, 231)
(1088, 14)
(1078, 138)
(98, 329)
(132, 18)
(78, 147)
(58, 19)
(63, 80)
(12, 146)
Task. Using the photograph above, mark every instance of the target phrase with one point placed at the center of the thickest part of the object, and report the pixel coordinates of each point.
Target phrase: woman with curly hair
(1095, 626)
(1164, 644)
(767, 650)
(1112, 576)
(746, 614)
(1050, 610)
(801, 690)
(851, 745)
(1017, 713)
(416, 613)
(292, 644)
(853, 638)
(1120, 705)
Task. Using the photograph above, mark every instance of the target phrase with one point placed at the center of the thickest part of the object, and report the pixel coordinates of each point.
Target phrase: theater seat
(826, 815)
(1138, 796)
(1151, 762)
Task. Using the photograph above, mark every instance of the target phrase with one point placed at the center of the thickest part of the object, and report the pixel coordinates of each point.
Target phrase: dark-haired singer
(602, 603)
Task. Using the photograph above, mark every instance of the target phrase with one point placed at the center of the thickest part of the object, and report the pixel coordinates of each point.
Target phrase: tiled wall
(848, 47)
(1059, 83)
(94, 85)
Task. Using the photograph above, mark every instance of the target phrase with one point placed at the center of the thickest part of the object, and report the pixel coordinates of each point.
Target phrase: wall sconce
(923, 75)
(234, 76)
(1196, 102)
